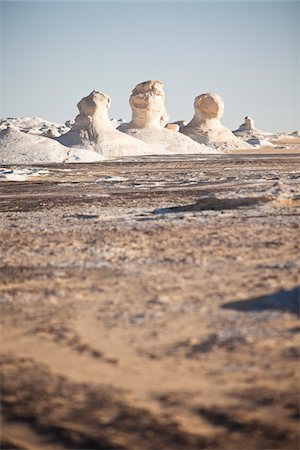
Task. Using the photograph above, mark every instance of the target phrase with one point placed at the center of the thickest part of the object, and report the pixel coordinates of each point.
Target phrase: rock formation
(50, 133)
(206, 128)
(180, 123)
(149, 118)
(295, 134)
(248, 133)
(34, 125)
(172, 126)
(93, 130)
(17, 147)
(247, 125)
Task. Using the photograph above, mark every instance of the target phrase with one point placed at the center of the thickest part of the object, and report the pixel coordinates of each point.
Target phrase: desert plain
(152, 303)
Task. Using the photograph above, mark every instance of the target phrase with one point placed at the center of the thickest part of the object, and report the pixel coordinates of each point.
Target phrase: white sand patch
(108, 179)
(259, 142)
(12, 174)
(82, 155)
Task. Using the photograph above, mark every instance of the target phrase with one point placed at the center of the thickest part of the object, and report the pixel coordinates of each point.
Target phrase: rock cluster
(148, 123)
(92, 136)
(93, 130)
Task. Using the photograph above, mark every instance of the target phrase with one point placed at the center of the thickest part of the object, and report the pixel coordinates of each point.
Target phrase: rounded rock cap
(89, 105)
(209, 106)
(154, 86)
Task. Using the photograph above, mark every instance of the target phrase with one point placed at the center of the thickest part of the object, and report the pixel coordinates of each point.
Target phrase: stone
(50, 133)
(247, 125)
(172, 126)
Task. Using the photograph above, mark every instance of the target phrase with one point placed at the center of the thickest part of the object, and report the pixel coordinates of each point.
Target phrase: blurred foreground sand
(136, 308)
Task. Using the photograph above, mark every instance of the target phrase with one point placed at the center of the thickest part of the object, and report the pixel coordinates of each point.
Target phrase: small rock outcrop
(50, 133)
(92, 130)
(295, 134)
(172, 126)
(206, 128)
(248, 125)
(248, 133)
(149, 118)
(180, 123)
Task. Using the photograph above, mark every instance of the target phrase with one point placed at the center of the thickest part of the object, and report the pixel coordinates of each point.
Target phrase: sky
(53, 53)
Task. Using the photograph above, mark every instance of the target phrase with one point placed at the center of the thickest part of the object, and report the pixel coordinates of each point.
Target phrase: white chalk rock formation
(50, 133)
(117, 122)
(17, 147)
(33, 125)
(259, 142)
(248, 133)
(248, 125)
(92, 130)
(180, 123)
(172, 126)
(206, 128)
(149, 119)
(295, 134)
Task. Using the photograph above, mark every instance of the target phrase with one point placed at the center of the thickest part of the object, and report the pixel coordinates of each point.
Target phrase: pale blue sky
(54, 53)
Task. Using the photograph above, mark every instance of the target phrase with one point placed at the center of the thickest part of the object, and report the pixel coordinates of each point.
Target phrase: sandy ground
(152, 304)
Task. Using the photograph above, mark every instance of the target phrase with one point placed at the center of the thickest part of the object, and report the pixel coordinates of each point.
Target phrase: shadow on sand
(285, 301)
(215, 204)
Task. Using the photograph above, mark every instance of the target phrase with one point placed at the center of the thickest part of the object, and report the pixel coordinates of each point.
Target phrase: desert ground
(152, 303)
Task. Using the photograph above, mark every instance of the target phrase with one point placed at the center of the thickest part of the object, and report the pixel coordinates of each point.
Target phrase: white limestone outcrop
(50, 133)
(17, 147)
(92, 130)
(247, 125)
(172, 126)
(149, 119)
(248, 133)
(206, 128)
(34, 125)
(295, 134)
(180, 123)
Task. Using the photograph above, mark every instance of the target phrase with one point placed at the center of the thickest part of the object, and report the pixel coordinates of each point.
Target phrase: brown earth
(137, 306)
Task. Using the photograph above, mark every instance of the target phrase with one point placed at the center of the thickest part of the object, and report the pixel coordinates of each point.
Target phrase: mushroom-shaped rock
(148, 121)
(206, 128)
(92, 130)
(17, 147)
